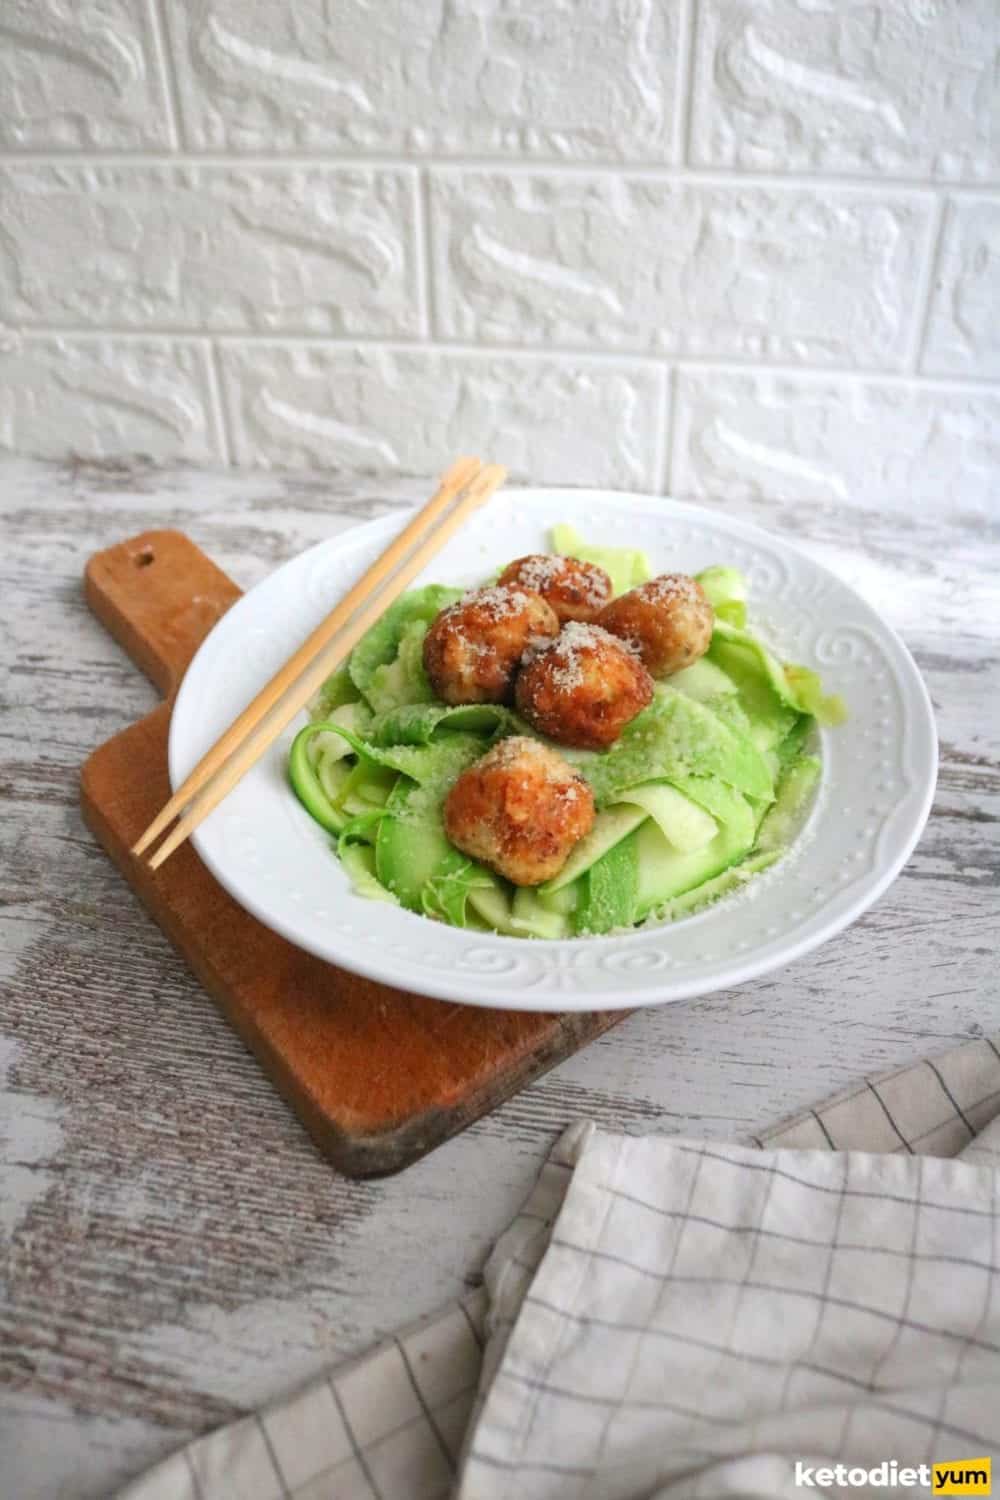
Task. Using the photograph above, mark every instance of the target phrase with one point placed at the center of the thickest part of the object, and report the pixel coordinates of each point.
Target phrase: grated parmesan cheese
(542, 572)
(496, 603)
(576, 639)
(670, 588)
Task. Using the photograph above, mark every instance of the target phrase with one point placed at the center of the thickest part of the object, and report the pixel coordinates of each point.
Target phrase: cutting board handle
(159, 596)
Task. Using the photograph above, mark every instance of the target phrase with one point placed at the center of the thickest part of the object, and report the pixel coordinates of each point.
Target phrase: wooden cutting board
(377, 1076)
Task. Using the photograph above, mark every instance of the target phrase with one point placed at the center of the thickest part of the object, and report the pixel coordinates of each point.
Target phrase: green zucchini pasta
(705, 788)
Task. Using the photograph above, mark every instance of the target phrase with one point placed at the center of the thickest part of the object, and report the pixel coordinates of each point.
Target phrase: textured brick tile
(640, 263)
(78, 73)
(597, 78)
(843, 440)
(311, 249)
(572, 422)
(885, 87)
(95, 397)
(963, 335)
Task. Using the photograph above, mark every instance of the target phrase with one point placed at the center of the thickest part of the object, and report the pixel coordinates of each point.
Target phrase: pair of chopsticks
(464, 487)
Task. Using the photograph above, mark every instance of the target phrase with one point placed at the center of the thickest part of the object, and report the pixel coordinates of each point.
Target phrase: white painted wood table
(173, 1250)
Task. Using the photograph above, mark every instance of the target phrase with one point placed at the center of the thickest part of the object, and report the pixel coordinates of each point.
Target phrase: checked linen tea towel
(671, 1319)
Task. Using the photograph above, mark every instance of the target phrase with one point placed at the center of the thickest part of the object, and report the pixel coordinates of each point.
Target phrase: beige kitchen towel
(673, 1318)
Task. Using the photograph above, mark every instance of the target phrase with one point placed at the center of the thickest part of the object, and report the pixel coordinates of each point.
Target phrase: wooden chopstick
(295, 687)
(454, 479)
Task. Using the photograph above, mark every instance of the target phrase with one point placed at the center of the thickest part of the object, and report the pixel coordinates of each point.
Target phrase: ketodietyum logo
(958, 1476)
(965, 1476)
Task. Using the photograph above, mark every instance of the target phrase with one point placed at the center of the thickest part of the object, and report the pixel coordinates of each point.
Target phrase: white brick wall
(717, 246)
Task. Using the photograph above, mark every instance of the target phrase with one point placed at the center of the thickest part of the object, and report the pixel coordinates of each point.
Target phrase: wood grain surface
(173, 1250)
(377, 1076)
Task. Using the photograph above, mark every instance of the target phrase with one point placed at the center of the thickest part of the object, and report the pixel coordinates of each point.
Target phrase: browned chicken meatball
(520, 810)
(669, 620)
(472, 648)
(576, 590)
(582, 688)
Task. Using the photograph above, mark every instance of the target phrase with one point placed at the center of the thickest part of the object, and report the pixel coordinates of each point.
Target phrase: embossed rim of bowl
(841, 863)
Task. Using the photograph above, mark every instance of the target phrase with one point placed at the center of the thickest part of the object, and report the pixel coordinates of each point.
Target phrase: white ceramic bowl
(878, 771)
